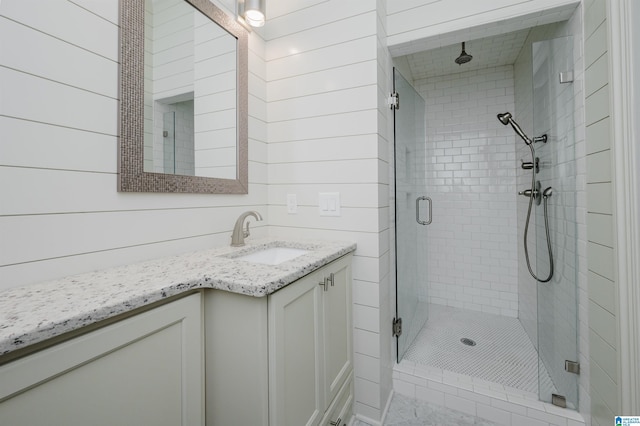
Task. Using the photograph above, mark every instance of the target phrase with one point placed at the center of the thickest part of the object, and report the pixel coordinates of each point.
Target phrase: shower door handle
(423, 222)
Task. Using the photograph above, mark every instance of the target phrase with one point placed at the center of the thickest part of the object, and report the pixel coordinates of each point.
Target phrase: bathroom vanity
(143, 370)
(206, 350)
(285, 359)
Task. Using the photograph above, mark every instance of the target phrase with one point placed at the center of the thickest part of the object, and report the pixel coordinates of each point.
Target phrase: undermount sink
(272, 255)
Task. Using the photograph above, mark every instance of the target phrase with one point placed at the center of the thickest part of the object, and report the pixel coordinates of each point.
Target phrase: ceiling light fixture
(251, 12)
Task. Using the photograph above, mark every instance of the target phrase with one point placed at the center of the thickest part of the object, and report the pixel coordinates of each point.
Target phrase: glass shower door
(411, 207)
(169, 141)
(553, 111)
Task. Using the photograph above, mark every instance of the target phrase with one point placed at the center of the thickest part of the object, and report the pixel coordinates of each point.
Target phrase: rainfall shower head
(507, 118)
(464, 57)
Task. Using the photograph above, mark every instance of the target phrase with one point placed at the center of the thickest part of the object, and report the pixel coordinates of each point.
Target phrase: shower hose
(546, 226)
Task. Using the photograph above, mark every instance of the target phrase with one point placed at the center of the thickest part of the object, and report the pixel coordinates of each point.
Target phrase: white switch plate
(292, 204)
(329, 203)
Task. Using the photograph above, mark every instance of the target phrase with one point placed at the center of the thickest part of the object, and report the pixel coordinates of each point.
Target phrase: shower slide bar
(533, 193)
(423, 222)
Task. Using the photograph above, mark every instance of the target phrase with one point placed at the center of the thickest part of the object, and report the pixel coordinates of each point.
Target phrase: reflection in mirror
(189, 92)
(183, 94)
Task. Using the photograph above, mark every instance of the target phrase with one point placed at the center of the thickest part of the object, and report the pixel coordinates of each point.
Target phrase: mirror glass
(183, 86)
(189, 92)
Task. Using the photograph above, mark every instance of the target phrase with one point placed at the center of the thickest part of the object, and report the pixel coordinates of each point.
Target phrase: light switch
(292, 204)
(329, 203)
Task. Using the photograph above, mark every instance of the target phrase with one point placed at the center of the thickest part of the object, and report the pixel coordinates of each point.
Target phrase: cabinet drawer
(340, 410)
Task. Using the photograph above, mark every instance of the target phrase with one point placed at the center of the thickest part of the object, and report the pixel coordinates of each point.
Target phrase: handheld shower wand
(507, 118)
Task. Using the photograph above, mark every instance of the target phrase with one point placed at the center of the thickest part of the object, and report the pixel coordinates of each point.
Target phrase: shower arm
(520, 132)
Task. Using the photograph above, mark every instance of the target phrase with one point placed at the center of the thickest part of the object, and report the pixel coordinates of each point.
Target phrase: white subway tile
(404, 388)
(508, 406)
(460, 404)
(429, 395)
(493, 414)
(546, 417)
(526, 421)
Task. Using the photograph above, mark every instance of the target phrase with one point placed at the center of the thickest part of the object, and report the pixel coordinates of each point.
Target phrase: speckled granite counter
(41, 311)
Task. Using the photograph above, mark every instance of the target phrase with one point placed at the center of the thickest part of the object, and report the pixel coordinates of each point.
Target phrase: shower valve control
(533, 192)
(528, 165)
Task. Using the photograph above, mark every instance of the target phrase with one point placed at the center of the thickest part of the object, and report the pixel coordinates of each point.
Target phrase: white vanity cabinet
(282, 360)
(143, 370)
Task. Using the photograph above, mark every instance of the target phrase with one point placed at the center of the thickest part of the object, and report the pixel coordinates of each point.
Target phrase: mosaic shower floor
(502, 353)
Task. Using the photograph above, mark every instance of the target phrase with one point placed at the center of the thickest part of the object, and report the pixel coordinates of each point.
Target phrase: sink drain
(468, 342)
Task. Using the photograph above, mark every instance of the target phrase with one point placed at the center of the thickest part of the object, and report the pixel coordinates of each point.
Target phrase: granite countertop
(38, 312)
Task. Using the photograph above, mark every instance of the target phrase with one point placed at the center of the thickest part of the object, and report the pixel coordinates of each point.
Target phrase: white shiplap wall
(603, 344)
(411, 22)
(324, 136)
(60, 212)
(386, 291)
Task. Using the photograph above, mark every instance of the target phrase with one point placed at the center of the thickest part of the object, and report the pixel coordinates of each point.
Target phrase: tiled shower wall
(472, 261)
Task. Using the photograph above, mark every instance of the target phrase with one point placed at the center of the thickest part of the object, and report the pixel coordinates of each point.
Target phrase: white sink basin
(273, 255)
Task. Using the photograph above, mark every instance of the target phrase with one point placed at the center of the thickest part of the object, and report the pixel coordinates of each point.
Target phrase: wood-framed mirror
(183, 98)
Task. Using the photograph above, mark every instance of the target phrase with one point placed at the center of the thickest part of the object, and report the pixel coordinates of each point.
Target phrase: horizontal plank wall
(60, 212)
(322, 92)
(412, 20)
(603, 319)
(386, 292)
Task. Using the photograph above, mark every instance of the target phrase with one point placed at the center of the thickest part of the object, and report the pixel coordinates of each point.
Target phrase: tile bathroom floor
(405, 411)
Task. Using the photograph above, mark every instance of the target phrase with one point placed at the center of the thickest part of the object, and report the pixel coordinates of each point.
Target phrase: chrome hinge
(397, 327)
(572, 367)
(558, 400)
(394, 100)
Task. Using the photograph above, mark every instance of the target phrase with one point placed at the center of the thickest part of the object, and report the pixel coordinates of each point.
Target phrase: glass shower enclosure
(557, 306)
(556, 334)
(412, 212)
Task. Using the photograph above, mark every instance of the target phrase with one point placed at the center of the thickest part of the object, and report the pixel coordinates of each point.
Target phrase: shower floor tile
(502, 353)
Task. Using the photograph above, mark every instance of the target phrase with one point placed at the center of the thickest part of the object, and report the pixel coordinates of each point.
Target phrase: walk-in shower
(472, 275)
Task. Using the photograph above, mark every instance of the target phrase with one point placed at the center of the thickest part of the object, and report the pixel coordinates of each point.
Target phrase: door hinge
(394, 100)
(572, 367)
(397, 327)
(558, 400)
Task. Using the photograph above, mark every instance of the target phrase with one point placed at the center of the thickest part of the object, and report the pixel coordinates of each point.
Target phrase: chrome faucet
(238, 235)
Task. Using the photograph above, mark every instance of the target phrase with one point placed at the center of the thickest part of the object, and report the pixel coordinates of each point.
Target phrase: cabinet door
(236, 359)
(296, 396)
(340, 410)
(338, 361)
(143, 370)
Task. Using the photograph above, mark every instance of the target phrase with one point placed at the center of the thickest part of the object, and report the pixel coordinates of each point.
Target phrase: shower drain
(468, 342)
